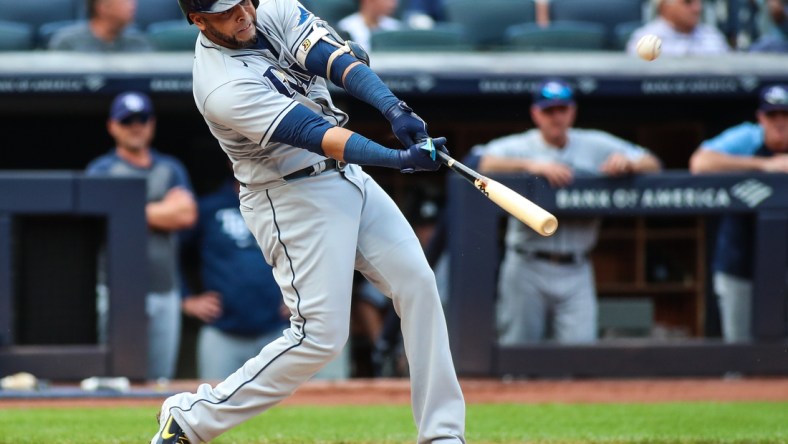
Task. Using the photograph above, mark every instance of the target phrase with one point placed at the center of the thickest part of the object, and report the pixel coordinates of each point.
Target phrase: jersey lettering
(299, 83)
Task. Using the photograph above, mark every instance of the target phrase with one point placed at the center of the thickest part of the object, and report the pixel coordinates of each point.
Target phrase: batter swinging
(259, 81)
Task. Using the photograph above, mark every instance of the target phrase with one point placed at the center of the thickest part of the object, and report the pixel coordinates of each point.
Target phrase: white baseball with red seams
(649, 47)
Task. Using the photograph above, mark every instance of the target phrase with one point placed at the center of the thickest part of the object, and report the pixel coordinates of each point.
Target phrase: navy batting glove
(407, 126)
(422, 156)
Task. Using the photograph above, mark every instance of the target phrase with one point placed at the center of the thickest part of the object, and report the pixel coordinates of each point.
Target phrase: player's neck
(140, 158)
(371, 18)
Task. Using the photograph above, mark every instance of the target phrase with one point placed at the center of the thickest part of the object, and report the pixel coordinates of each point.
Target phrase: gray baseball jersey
(267, 83)
(534, 294)
(314, 231)
(585, 152)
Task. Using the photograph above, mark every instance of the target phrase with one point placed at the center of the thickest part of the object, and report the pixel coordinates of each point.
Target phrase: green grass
(686, 423)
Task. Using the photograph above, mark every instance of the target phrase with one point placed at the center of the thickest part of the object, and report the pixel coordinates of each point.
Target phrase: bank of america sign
(750, 192)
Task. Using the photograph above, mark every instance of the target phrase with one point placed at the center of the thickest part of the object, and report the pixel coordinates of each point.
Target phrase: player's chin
(247, 34)
(248, 43)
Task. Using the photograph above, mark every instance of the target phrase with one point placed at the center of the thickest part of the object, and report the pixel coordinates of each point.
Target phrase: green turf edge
(681, 423)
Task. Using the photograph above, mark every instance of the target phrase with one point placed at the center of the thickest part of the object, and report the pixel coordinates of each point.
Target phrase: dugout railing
(475, 251)
(669, 106)
(54, 226)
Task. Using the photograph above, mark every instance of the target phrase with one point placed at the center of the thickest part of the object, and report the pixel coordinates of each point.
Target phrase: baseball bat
(515, 204)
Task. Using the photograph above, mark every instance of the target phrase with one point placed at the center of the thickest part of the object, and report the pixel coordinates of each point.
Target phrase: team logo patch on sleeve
(304, 15)
(305, 45)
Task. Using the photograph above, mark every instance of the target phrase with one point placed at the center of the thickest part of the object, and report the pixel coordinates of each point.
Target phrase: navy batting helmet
(209, 6)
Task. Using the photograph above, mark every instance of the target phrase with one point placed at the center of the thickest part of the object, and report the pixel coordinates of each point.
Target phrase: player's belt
(313, 170)
(556, 258)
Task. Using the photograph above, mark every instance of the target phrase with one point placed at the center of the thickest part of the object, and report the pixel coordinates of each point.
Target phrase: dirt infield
(397, 391)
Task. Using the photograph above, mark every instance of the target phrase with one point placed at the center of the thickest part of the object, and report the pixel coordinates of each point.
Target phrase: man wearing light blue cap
(749, 146)
(547, 283)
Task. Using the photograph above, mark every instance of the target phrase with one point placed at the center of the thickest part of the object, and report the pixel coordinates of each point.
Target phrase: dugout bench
(52, 227)
(475, 252)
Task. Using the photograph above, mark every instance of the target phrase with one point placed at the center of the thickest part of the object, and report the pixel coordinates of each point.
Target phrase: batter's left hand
(407, 126)
(422, 156)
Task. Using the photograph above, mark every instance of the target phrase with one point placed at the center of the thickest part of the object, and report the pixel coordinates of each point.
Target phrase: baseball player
(260, 71)
(550, 280)
(170, 208)
(748, 146)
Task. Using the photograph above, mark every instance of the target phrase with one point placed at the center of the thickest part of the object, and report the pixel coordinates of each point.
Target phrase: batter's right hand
(421, 156)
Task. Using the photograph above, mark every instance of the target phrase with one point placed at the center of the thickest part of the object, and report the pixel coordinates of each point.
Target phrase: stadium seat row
(471, 24)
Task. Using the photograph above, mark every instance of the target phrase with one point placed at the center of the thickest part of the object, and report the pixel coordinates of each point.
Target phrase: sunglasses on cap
(135, 118)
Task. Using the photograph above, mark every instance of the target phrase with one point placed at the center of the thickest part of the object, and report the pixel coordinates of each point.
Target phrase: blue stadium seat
(16, 36)
(436, 39)
(47, 30)
(152, 11)
(609, 13)
(173, 35)
(333, 11)
(623, 31)
(38, 12)
(484, 22)
(559, 36)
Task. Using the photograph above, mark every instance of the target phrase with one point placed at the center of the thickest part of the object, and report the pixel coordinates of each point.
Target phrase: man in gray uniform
(550, 280)
(108, 29)
(171, 207)
(259, 81)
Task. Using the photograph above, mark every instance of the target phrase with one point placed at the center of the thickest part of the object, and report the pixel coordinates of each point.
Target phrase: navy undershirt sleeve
(362, 151)
(361, 82)
(302, 128)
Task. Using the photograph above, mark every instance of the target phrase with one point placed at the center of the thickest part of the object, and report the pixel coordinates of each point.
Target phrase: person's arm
(542, 12)
(346, 67)
(619, 164)
(706, 160)
(557, 174)
(646, 164)
(778, 10)
(176, 211)
(501, 164)
(303, 128)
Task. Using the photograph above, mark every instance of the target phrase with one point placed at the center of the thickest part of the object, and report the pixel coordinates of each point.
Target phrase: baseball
(649, 46)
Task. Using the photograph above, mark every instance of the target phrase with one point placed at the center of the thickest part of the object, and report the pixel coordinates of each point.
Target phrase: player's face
(385, 7)
(554, 122)
(234, 28)
(775, 129)
(683, 14)
(119, 11)
(133, 134)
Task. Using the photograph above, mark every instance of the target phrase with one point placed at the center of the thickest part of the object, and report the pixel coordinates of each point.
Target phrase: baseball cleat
(169, 430)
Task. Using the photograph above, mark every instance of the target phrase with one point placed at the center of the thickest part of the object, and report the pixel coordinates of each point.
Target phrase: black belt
(556, 258)
(311, 170)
